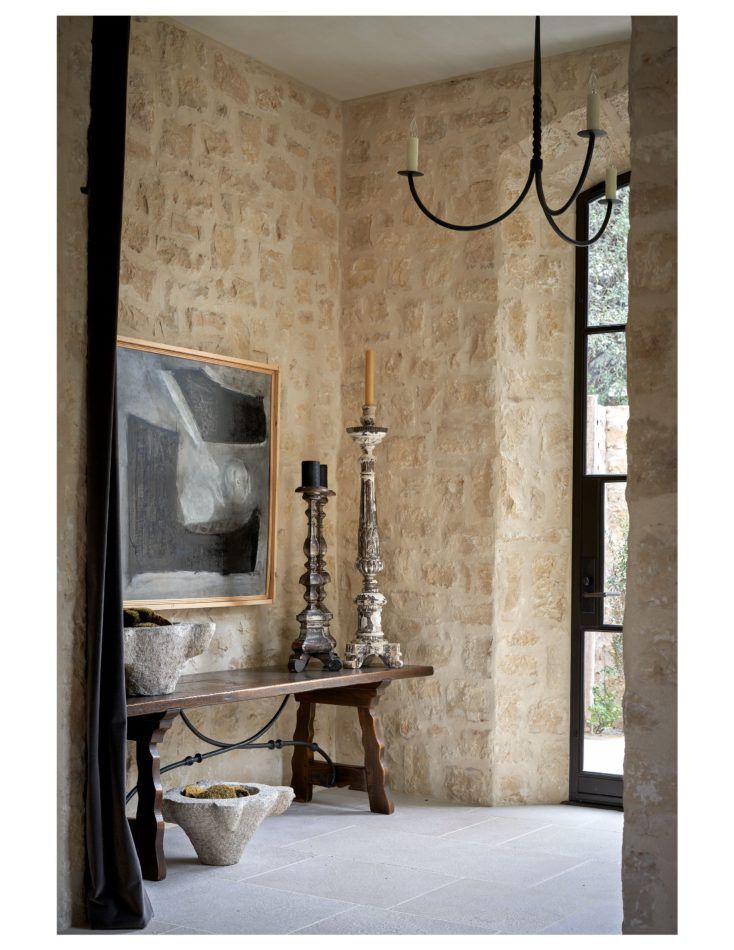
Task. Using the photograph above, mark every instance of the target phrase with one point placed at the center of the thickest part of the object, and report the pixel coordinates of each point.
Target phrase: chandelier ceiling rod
(536, 167)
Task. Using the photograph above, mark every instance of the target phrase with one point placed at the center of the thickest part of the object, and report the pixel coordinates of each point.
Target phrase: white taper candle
(412, 165)
(611, 182)
(413, 141)
(593, 105)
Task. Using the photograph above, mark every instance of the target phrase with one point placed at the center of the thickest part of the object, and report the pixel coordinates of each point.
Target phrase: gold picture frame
(163, 406)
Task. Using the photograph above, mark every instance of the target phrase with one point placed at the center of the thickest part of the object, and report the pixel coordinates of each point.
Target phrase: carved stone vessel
(155, 656)
(219, 828)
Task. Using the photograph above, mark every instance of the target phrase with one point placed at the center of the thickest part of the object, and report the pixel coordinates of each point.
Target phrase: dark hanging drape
(116, 898)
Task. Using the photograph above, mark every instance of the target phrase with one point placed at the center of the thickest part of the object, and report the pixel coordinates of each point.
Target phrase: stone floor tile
(226, 906)
(481, 904)
(497, 831)
(359, 882)
(574, 889)
(600, 917)
(607, 818)
(182, 861)
(298, 825)
(581, 843)
(546, 814)
(258, 861)
(516, 868)
(154, 928)
(433, 822)
(440, 855)
(373, 920)
(412, 813)
(186, 930)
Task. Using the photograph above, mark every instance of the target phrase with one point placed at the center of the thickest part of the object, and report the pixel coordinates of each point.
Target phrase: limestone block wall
(74, 61)
(230, 244)
(473, 336)
(650, 635)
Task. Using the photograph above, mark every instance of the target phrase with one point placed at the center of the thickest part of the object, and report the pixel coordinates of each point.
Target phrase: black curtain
(116, 898)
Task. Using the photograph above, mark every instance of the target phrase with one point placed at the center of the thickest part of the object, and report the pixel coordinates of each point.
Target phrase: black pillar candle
(310, 474)
(324, 476)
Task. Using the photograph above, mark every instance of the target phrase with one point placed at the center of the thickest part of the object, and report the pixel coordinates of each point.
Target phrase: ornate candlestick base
(370, 640)
(357, 654)
(314, 637)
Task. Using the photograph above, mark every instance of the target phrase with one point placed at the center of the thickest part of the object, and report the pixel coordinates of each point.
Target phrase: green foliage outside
(608, 297)
(617, 576)
(608, 277)
(605, 711)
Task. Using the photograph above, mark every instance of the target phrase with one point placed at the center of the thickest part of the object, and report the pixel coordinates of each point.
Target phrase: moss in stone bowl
(142, 617)
(218, 791)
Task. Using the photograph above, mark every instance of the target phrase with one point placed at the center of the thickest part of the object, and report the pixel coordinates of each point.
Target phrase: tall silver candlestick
(370, 640)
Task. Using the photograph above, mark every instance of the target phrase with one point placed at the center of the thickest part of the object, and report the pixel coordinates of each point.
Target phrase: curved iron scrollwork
(249, 743)
(535, 174)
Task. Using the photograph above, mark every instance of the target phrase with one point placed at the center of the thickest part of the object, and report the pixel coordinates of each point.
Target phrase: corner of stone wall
(474, 340)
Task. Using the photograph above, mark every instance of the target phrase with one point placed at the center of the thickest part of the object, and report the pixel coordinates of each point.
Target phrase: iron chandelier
(536, 167)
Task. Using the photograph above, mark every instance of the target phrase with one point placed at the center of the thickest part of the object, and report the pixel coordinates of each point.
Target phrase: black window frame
(594, 788)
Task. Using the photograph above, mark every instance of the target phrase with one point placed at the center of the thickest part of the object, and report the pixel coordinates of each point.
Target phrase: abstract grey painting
(197, 438)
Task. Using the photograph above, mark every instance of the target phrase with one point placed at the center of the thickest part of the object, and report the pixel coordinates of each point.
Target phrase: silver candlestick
(314, 637)
(370, 640)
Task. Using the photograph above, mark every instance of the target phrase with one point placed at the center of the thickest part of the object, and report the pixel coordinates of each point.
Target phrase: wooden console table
(150, 717)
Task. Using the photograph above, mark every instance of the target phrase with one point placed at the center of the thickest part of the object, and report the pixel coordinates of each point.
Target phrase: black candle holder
(314, 637)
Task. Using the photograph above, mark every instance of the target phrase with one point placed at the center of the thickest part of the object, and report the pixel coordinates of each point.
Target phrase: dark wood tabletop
(233, 686)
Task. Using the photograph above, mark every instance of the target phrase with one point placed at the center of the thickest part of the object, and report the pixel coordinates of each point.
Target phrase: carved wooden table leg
(373, 744)
(302, 761)
(148, 825)
(370, 777)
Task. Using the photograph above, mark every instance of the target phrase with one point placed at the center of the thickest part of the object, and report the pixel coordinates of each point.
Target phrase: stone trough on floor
(219, 828)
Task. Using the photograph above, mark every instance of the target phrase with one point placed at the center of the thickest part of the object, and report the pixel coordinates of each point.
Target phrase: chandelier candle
(413, 142)
(611, 182)
(593, 105)
(592, 133)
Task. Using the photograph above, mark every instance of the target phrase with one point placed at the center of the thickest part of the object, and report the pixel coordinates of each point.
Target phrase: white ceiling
(352, 56)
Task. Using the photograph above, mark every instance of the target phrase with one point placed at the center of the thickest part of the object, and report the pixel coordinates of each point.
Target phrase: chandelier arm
(469, 227)
(565, 237)
(580, 184)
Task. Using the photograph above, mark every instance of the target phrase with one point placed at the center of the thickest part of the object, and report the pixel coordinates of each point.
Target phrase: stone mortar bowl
(219, 828)
(155, 656)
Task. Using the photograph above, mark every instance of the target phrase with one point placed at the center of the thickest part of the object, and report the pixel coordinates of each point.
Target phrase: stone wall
(230, 244)
(650, 635)
(74, 61)
(474, 342)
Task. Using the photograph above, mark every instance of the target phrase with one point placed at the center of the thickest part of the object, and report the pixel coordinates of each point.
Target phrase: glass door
(600, 518)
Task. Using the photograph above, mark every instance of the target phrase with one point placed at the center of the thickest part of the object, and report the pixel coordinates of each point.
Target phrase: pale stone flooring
(332, 867)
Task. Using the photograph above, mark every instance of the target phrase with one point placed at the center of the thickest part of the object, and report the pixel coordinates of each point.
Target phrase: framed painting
(198, 450)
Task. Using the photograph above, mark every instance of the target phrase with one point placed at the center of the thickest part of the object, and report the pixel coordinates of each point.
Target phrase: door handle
(603, 593)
